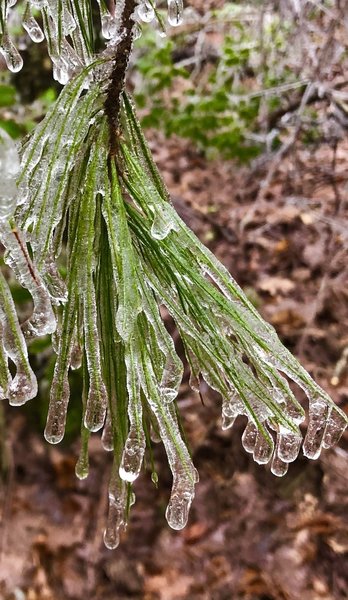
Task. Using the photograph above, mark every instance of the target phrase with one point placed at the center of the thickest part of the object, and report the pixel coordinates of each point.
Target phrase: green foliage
(218, 109)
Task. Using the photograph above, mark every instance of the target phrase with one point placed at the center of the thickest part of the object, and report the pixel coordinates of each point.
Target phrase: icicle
(145, 11)
(318, 414)
(59, 400)
(96, 405)
(9, 170)
(33, 29)
(23, 387)
(97, 395)
(175, 12)
(263, 449)
(82, 465)
(180, 502)
(107, 435)
(76, 357)
(335, 426)
(289, 445)
(133, 454)
(109, 24)
(278, 466)
(249, 437)
(134, 448)
(117, 507)
(60, 391)
(231, 408)
(184, 473)
(171, 378)
(11, 55)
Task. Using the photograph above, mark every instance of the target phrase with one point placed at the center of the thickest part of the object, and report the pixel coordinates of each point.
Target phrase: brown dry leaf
(171, 585)
(274, 285)
(314, 254)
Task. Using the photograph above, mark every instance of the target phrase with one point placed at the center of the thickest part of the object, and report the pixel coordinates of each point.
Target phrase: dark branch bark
(113, 98)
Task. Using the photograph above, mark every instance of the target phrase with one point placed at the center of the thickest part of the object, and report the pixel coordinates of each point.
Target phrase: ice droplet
(278, 467)
(56, 418)
(82, 465)
(178, 508)
(263, 449)
(33, 29)
(318, 413)
(249, 437)
(175, 12)
(117, 507)
(146, 11)
(96, 405)
(9, 171)
(171, 378)
(336, 424)
(11, 55)
(107, 435)
(133, 454)
(22, 387)
(162, 222)
(134, 448)
(289, 446)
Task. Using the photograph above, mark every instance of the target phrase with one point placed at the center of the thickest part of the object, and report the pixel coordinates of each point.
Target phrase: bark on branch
(117, 80)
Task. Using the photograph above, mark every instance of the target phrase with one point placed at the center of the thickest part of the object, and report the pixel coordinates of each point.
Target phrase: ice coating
(42, 320)
(9, 171)
(23, 386)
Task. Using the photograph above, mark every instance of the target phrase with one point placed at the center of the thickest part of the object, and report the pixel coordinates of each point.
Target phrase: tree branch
(113, 98)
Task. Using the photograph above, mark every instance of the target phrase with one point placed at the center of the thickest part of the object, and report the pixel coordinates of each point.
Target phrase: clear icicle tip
(178, 509)
(11, 55)
(175, 12)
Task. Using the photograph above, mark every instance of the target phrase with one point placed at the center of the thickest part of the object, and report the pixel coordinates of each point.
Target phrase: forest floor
(250, 535)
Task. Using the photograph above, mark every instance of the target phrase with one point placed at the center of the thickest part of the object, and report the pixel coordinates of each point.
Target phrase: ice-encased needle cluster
(108, 221)
(128, 253)
(67, 27)
(21, 386)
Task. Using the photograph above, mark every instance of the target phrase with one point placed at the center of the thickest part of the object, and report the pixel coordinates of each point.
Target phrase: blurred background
(245, 106)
